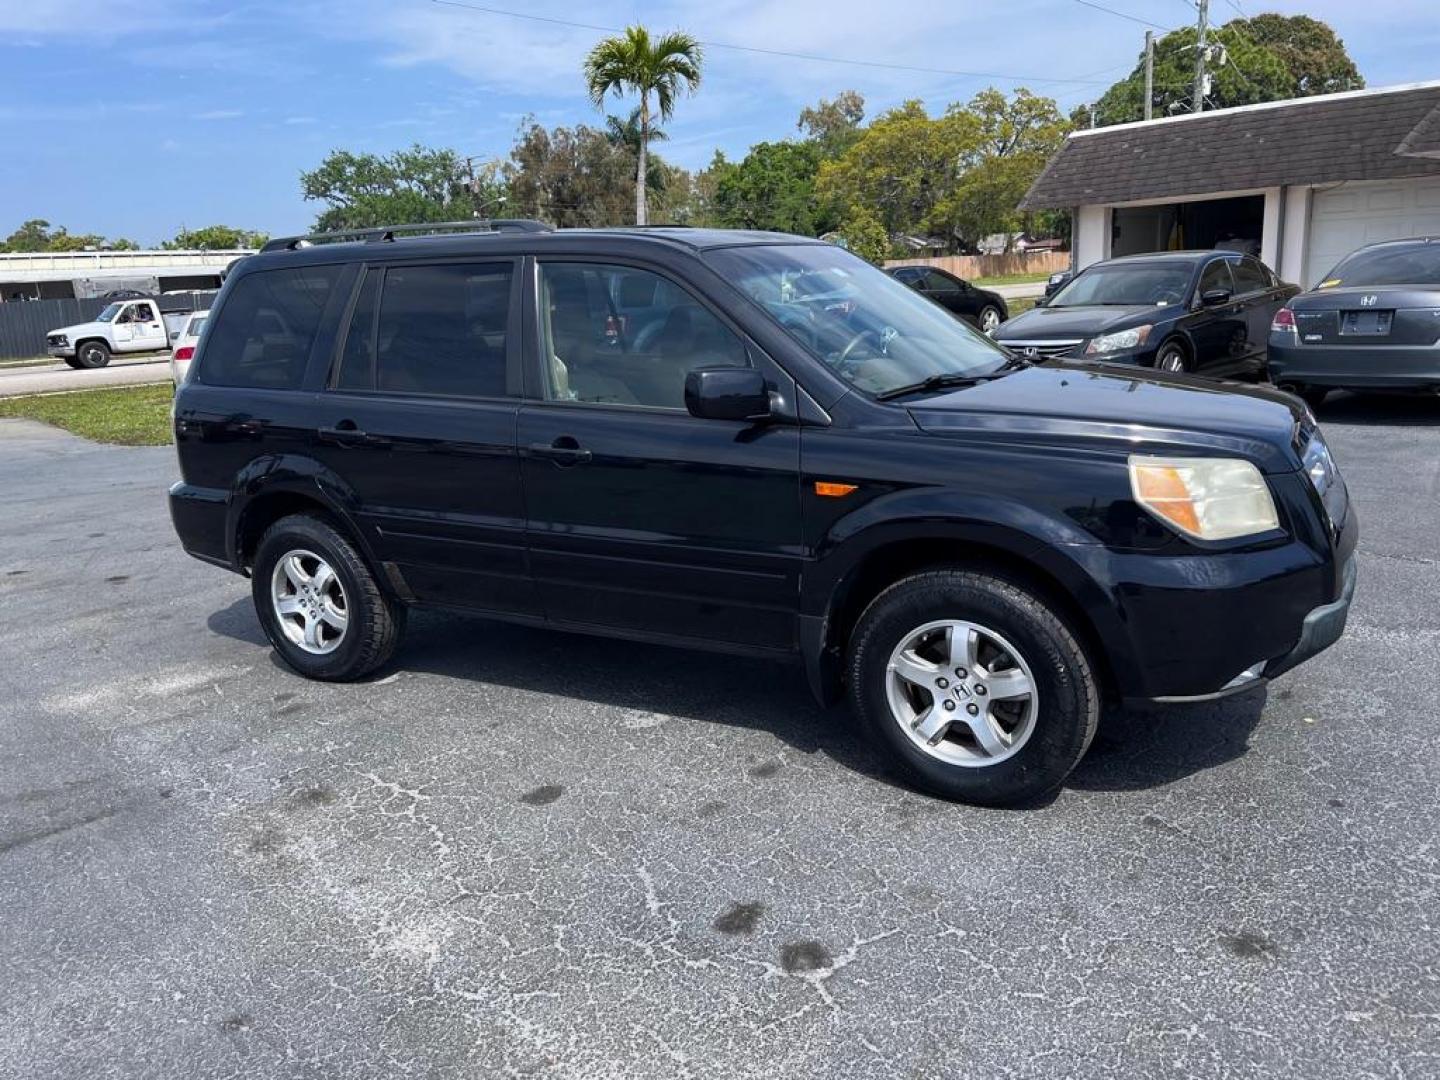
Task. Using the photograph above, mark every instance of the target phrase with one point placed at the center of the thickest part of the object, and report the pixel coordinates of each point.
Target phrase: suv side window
(357, 357)
(442, 329)
(1250, 276)
(593, 352)
(262, 337)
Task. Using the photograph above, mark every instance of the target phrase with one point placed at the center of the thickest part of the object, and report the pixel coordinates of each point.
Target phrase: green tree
(36, 235)
(1017, 136)
(1267, 58)
(364, 190)
(865, 235)
(216, 238)
(773, 187)
(833, 124)
(1315, 58)
(635, 64)
(570, 177)
(624, 133)
(902, 167)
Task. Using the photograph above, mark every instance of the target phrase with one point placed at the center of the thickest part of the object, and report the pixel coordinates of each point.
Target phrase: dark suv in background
(755, 443)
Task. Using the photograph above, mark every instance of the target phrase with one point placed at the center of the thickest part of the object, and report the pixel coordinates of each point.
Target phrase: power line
(813, 57)
(1124, 15)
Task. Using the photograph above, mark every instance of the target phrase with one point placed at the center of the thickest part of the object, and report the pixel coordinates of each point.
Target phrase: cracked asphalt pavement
(525, 853)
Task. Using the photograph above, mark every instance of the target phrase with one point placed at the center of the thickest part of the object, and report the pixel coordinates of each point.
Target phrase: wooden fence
(988, 266)
(23, 325)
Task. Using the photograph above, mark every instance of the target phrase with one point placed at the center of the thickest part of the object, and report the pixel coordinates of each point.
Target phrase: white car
(182, 349)
(125, 326)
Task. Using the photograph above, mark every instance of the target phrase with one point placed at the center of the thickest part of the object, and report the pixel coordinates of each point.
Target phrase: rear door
(1261, 296)
(642, 518)
(418, 424)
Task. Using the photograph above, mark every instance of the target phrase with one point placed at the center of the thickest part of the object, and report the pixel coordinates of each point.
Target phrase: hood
(1108, 408)
(72, 332)
(1041, 323)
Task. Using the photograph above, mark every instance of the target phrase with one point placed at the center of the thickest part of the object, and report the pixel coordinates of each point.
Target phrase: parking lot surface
(528, 853)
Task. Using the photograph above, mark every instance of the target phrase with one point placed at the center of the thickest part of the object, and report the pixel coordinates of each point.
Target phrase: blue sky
(133, 119)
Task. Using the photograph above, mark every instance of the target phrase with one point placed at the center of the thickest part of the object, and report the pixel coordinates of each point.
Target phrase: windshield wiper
(948, 381)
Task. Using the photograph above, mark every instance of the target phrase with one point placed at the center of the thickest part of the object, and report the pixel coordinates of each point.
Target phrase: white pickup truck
(125, 326)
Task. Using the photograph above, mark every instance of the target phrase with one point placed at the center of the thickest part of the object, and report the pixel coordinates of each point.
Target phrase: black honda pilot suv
(760, 444)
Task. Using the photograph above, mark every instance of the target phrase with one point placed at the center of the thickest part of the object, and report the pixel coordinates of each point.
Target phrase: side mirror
(1215, 297)
(727, 393)
(1041, 301)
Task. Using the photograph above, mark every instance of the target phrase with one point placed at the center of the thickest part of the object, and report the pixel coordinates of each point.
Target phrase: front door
(1220, 331)
(641, 517)
(147, 326)
(418, 424)
(1260, 296)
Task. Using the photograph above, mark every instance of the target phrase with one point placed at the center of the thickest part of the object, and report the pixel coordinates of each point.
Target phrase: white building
(1301, 182)
(88, 274)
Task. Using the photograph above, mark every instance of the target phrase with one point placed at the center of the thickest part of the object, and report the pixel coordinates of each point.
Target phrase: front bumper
(1322, 627)
(61, 351)
(1361, 367)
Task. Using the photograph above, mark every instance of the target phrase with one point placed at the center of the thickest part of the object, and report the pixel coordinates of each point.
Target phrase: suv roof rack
(385, 233)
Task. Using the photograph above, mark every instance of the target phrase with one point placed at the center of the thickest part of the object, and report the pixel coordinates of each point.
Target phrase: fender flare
(292, 474)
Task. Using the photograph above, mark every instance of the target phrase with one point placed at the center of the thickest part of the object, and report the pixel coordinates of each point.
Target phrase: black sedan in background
(1373, 323)
(979, 307)
(1207, 312)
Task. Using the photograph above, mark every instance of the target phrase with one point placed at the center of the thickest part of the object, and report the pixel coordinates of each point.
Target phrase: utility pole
(1201, 51)
(1149, 72)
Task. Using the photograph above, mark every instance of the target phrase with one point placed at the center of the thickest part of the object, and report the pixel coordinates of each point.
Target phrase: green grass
(1011, 279)
(1017, 306)
(127, 415)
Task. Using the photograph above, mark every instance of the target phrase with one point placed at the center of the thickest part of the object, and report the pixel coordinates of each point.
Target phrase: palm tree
(635, 64)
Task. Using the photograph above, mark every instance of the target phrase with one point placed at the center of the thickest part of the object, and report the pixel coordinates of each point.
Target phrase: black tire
(374, 622)
(1314, 396)
(1068, 695)
(92, 354)
(73, 361)
(1172, 352)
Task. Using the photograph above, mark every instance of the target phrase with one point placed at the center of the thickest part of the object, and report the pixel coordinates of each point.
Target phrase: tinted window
(1128, 284)
(864, 325)
(263, 335)
(1249, 276)
(939, 283)
(597, 352)
(1215, 276)
(443, 329)
(1392, 264)
(357, 368)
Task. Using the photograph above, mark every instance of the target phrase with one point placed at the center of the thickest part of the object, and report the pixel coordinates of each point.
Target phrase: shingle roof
(1366, 135)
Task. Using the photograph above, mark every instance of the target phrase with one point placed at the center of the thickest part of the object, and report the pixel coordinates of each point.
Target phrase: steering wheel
(852, 345)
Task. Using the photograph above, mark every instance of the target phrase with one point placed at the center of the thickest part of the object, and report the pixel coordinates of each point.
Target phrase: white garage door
(1347, 217)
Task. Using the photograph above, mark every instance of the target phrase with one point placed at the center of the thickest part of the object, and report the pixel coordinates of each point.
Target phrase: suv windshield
(1393, 264)
(111, 310)
(875, 333)
(1127, 285)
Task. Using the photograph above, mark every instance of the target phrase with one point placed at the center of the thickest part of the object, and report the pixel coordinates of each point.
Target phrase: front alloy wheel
(1171, 359)
(989, 320)
(962, 693)
(974, 684)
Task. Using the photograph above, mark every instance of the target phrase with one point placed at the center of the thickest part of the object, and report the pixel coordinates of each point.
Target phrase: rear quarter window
(262, 337)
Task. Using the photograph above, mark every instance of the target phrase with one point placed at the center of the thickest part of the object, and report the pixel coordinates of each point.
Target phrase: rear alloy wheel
(318, 602)
(989, 319)
(93, 354)
(975, 687)
(1172, 358)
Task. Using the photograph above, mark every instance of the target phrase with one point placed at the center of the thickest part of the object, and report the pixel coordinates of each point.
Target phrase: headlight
(1207, 498)
(1120, 341)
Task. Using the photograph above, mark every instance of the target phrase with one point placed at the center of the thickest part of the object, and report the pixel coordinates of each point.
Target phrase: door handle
(564, 451)
(348, 433)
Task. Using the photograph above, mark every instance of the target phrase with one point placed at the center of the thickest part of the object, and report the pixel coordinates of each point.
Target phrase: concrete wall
(1091, 235)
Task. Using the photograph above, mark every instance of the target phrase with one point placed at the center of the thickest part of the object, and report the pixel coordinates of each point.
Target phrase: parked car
(662, 435)
(1373, 323)
(979, 307)
(182, 346)
(1203, 312)
(1056, 280)
(123, 326)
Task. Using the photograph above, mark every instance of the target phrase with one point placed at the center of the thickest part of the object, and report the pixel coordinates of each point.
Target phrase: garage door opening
(1233, 224)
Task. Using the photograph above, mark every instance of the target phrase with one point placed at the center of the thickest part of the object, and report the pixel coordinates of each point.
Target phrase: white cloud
(220, 114)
